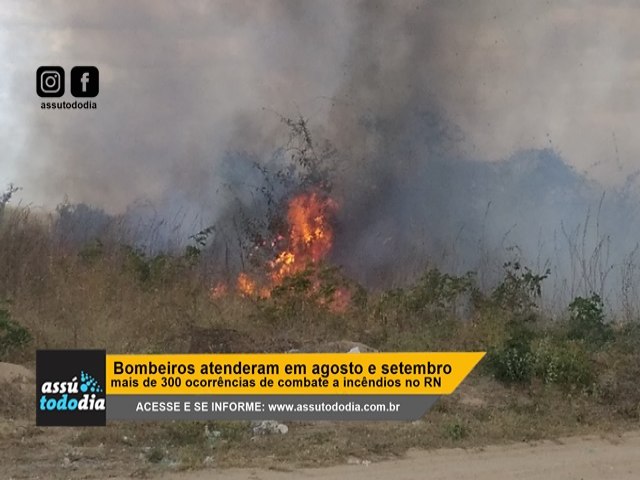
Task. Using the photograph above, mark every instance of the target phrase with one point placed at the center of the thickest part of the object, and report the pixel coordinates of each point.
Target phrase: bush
(438, 290)
(456, 431)
(513, 363)
(519, 289)
(435, 295)
(567, 364)
(587, 321)
(12, 335)
(511, 308)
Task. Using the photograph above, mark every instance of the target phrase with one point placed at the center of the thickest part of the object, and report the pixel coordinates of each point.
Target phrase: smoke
(434, 92)
(180, 86)
(463, 128)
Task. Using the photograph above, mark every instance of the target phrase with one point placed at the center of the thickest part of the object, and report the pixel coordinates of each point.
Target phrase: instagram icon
(50, 81)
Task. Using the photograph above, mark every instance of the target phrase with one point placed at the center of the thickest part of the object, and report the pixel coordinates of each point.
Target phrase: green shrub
(519, 288)
(512, 363)
(437, 289)
(587, 321)
(567, 363)
(12, 335)
(511, 310)
(434, 295)
(456, 431)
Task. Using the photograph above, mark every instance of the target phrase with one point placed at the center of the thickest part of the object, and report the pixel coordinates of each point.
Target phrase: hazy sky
(182, 82)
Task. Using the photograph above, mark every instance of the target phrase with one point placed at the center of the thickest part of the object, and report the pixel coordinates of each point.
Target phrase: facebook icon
(85, 81)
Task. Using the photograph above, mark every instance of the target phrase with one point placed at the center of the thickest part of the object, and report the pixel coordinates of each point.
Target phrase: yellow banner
(411, 373)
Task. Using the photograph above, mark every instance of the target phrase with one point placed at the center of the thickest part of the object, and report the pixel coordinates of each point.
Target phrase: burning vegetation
(301, 248)
(310, 235)
(298, 236)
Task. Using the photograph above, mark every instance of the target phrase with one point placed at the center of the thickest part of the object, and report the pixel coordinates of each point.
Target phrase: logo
(70, 387)
(85, 81)
(50, 81)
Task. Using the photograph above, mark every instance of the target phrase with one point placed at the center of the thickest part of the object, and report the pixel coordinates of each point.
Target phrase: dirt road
(590, 458)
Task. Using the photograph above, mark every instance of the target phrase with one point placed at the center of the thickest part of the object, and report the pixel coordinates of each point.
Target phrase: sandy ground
(580, 458)
(587, 458)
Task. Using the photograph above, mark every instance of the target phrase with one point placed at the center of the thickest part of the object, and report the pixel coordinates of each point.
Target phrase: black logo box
(85, 81)
(50, 81)
(63, 366)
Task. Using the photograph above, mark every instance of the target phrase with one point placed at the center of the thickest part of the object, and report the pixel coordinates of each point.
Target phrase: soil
(584, 458)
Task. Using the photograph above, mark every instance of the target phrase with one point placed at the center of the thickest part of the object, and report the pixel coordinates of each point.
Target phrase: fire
(310, 235)
(246, 285)
(249, 287)
(307, 242)
(220, 290)
(341, 300)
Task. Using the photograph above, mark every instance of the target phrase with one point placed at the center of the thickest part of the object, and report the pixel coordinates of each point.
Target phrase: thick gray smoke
(463, 128)
(414, 190)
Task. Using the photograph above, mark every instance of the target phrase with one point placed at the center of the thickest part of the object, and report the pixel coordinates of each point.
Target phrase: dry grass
(482, 412)
(111, 297)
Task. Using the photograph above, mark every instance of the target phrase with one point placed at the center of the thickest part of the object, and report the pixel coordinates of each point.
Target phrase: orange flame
(246, 285)
(310, 235)
(309, 240)
(220, 290)
(341, 300)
